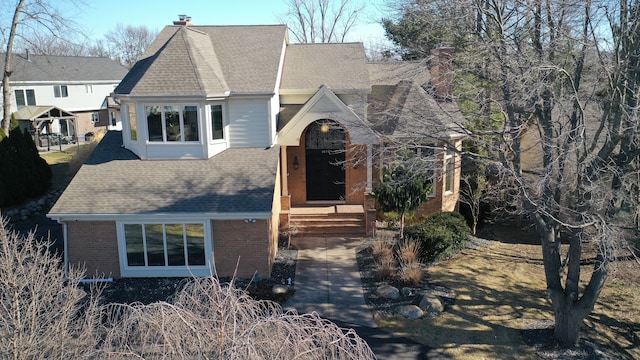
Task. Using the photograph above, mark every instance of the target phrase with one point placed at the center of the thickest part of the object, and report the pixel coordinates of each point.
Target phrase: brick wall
(355, 173)
(249, 243)
(94, 244)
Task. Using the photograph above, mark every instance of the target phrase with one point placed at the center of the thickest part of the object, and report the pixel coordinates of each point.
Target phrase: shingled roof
(208, 61)
(309, 66)
(238, 180)
(404, 108)
(64, 68)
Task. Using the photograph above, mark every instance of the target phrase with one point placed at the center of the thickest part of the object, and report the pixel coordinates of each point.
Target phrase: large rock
(431, 304)
(388, 292)
(410, 311)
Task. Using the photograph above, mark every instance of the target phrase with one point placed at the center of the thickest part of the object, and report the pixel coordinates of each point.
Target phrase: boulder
(410, 311)
(388, 292)
(431, 304)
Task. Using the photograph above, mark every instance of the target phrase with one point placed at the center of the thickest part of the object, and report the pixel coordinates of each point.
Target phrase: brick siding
(247, 244)
(94, 244)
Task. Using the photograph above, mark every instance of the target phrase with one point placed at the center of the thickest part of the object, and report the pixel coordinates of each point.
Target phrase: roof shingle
(113, 181)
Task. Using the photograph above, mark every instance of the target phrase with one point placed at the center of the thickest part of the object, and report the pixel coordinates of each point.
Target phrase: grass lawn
(65, 164)
(500, 292)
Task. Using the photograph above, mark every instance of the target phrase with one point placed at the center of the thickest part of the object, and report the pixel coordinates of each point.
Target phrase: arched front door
(325, 160)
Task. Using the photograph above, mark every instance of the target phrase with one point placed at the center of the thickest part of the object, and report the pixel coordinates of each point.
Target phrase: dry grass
(409, 251)
(382, 249)
(411, 273)
(385, 268)
(500, 290)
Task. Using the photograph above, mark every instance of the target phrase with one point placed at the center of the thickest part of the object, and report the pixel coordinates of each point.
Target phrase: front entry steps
(330, 220)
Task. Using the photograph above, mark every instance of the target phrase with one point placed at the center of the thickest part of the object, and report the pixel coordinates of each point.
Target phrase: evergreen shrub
(441, 236)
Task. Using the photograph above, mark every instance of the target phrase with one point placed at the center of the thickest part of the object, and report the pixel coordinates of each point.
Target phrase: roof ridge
(199, 60)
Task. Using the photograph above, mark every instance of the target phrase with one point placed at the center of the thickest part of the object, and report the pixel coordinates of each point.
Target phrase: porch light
(296, 164)
(324, 128)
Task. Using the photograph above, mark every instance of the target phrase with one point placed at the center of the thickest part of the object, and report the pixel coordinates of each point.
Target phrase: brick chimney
(183, 20)
(442, 72)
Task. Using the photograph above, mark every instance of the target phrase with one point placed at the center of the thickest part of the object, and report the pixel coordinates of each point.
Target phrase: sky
(96, 17)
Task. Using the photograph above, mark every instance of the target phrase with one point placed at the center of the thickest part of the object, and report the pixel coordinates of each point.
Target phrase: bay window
(217, 126)
(168, 123)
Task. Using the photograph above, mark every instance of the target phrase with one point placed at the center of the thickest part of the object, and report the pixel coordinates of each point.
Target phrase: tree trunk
(6, 90)
(568, 321)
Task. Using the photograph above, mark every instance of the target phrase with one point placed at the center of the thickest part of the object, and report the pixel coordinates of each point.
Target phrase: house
(231, 136)
(46, 86)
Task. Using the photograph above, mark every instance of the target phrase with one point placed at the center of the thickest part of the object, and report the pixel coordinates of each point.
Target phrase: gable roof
(64, 68)
(322, 105)
(340, 66)
(208, 61)
(237, 181)
(405, 109)
(33, 112)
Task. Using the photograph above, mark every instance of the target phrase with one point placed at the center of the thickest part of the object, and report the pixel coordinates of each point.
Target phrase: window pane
(190, 117)
(56, 91)
(20, 98)
(64, 92)
(31, 97)
(195, 244)
(154, 123)
(449, 175)
(216, 122)
(175, 244)
(172, 121)
(132, 122)
(134, 243)
(155, 244)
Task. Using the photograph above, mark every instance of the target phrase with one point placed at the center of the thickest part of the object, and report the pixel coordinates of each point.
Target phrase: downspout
(65, 248)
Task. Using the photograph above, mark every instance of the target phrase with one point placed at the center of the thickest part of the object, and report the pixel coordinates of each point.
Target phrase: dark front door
(325, 160)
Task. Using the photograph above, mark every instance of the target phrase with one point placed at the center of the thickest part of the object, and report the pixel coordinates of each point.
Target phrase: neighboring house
(231, 136)
(74, 85)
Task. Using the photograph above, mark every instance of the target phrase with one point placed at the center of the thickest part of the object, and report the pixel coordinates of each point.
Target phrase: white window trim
(209, 124)
(95, 117)
(169, 271)
(449, 156)
(181, 107)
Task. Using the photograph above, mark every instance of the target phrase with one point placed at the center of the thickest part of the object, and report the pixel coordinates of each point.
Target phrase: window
(88, 88)
(164, 245)
(450, 167)
(217, 129)
(132, 122)
(112, 114)
(25, 97)
(60, 91)
(95, 117)
(172, 123)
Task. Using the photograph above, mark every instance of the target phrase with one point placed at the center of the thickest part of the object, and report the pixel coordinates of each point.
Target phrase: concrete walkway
(328, 280)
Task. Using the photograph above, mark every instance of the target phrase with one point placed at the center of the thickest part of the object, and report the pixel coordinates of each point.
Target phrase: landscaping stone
(388, 292)
(407, 291)
(431, 304)
(410, 311)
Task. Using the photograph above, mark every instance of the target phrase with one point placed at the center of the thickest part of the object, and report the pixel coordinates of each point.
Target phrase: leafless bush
(385, 267)
(208, 320)
(411, 273)
(41, 314)
(408, 250)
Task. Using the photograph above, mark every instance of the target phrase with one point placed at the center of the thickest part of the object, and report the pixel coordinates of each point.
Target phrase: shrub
(411, 273)
(441, 236)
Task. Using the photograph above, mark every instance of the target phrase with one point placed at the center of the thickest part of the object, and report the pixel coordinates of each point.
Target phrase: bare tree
(29, 16)
(321, 21)
(207, 320)
(43, 313)
(127, 43)
(544, 73)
